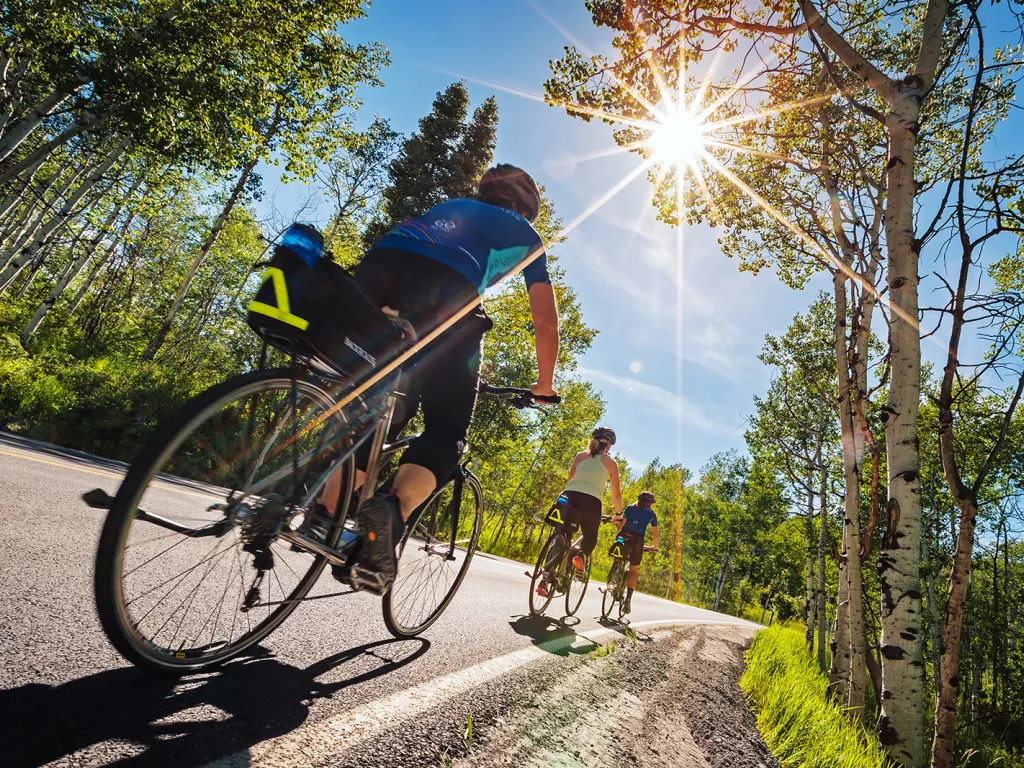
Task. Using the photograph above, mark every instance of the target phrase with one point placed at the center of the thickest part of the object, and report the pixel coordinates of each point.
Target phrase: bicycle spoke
(172, 614)
(191, 601)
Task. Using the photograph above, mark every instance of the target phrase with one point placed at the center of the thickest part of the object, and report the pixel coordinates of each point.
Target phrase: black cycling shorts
(634, 546)
(586, 511)
(443, 379)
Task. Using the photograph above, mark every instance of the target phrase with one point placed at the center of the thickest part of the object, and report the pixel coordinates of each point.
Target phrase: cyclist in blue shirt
(633, 528)
(426, 270)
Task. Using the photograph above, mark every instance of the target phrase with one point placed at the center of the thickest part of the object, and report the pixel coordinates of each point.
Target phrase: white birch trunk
(78, 264)
(822, 551)
(35, 213)
(161, 335)
(901, 724)
(41, 237)
(83, 289)
(810, 604)
(40, 153)
(839, 671)
(20, 130)
(16, 197)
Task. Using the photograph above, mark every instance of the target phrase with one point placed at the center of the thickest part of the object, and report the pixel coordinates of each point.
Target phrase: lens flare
(677, 136)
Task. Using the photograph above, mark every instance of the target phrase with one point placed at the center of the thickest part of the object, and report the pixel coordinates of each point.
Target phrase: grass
(601, 651)
(799, 724)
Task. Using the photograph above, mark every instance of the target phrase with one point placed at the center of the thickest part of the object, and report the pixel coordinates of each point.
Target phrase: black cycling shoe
(626, 605)
(380, 526)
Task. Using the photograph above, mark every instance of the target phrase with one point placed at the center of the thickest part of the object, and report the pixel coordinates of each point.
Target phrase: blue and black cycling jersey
(482, 242)
(637, 520)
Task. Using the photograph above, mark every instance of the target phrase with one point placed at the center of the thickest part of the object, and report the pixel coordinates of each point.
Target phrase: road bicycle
(554, 564)
(204, 551)
(615, 586)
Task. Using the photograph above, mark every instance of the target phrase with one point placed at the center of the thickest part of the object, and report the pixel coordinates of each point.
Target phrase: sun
(678, 136)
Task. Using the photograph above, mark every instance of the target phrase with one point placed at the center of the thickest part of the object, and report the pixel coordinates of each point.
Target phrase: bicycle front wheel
(190, 571)
(549, 556)
(434, 556)
(577, 586)
(611, 589)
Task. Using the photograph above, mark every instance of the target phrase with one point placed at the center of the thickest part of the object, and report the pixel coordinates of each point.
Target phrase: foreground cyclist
(634, 523)
(592, 470)
(425, 270)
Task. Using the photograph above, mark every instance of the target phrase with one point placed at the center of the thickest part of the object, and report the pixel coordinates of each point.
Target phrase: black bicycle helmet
(604, 435)
(513, 188)
(645, 497)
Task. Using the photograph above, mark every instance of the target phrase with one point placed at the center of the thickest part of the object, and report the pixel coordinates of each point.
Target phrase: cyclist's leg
(636, 554)
(426, 292)
(446, 376)
(450, 381)
(588, 511)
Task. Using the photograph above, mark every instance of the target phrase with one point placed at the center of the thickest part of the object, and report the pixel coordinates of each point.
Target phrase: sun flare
(678, 136)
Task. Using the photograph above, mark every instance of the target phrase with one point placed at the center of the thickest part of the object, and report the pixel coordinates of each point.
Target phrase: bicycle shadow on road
(552, 635)
(622, 626)
(215, 714)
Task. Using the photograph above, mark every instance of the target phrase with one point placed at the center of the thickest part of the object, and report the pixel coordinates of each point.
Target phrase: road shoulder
(669, 699)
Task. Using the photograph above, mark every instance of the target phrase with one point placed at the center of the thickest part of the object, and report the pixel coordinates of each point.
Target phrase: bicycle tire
(395, 624)
(623, 577)
(610, 589)
(115, 619)
(570, 606)
(540, 604)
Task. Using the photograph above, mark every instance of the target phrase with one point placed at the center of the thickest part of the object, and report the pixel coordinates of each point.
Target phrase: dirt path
(670, 701)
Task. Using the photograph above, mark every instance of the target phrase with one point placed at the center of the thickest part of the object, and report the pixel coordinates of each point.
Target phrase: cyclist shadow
(215, 714)
(552, 635)
(622, 626)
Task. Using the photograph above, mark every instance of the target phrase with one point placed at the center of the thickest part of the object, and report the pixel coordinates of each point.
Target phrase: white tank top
(590, 478)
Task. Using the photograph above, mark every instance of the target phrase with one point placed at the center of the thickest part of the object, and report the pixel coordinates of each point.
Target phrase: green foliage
(603, 650)
(801, 726)
(190, 80)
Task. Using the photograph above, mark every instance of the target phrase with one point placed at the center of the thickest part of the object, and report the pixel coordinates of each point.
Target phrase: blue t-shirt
(482, 242)
(638, 518)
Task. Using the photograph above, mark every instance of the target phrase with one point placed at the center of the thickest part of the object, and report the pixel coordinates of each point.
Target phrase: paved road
(329, 678)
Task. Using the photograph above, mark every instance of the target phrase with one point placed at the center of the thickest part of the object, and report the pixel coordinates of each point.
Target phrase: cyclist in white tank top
(591, 470)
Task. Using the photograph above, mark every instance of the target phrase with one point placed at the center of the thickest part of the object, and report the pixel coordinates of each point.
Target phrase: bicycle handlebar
(521, 398)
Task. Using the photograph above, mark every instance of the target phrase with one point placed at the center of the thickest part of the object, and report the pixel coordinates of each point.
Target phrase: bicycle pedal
(366, 580)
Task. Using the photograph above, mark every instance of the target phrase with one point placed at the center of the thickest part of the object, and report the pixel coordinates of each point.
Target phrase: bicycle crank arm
(317, 548)
(97, 498)
(271, 604)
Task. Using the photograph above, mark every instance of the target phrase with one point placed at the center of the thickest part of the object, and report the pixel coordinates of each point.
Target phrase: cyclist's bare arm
(544, 310)
(654, 530)
(613, 475)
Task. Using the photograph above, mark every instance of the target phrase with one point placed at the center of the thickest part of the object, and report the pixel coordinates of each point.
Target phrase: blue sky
(620, 260)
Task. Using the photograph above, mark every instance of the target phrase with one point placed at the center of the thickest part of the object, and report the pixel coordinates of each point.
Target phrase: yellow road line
(68, 464)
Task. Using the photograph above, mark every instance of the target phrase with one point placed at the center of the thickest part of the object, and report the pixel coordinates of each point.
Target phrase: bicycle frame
(379, 449)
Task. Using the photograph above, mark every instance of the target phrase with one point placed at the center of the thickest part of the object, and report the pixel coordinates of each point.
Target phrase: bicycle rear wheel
(550, 553)
(189, 570)
(611, 589)
(577, 586)
(434, 557)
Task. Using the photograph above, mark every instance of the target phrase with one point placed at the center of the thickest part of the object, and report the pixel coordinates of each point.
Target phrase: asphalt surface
(329, 682)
